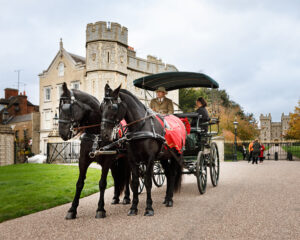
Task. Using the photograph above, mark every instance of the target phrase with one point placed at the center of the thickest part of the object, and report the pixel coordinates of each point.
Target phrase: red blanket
(176, 134)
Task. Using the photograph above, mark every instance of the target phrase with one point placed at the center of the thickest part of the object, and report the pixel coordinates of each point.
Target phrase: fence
(273, 150)
(63, 152)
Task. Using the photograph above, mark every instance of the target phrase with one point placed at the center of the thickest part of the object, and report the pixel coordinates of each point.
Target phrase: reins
(129, 124)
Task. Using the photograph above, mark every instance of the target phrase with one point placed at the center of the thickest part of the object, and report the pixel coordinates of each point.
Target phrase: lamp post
(55, 122)
(235, 123)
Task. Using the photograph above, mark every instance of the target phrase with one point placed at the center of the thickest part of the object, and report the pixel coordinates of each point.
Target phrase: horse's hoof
(100, 214)
(71, 215)
(164, 202)
(132, 212)
(126, 201)
(115, 201)
(149, 213)
(169, 203)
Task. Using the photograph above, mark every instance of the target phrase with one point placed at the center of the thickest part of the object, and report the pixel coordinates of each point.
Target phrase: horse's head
(71, 113)
(113, 110)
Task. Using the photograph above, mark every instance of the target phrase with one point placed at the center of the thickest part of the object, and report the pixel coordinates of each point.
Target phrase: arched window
(61, 69)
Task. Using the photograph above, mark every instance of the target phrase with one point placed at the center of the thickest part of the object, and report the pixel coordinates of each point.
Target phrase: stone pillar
(219, 140)
(6, 145)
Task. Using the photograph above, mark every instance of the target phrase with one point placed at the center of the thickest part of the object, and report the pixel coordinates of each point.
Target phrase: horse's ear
(65, 89)
(115, 93)
(107, 90)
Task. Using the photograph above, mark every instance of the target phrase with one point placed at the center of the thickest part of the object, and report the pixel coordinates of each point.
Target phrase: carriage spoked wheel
(158, 174)
(214, 164)
(142, 172)
(201, 172)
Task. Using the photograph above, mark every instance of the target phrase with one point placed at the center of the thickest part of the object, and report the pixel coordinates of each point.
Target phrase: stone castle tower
(273, 131)
(106, 56)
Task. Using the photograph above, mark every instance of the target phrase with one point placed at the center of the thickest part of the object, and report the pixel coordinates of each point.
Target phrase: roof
(21, 118)
(175, 80)
(77, 58)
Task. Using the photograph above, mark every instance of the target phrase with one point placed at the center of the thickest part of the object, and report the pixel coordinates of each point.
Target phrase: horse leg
(101, 213)
(116, 198)
(135, 184)
(170, 174)
(83, 166)
(126, 199)
(148, 184)
(166, 166)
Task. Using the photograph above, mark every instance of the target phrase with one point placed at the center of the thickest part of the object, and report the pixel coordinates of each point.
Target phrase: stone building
(23, 117)
(273, 131)
(109, 59)
(6, 145)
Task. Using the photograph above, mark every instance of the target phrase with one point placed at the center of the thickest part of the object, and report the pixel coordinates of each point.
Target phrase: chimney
(10, 92)
(24, 93)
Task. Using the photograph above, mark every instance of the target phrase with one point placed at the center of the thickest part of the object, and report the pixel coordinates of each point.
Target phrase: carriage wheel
(158, 174)
(142, 172)
(214, 165)
(201, 172)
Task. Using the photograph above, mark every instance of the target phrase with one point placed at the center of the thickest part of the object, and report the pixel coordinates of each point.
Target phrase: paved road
(251, 202)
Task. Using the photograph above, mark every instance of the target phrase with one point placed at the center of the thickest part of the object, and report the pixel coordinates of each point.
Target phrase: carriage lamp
(235, 123)
(55, 121)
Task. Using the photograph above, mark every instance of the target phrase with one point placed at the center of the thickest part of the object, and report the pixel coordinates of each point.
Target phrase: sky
(250, 47)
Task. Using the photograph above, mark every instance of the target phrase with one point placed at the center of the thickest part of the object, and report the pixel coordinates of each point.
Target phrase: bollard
(290, 156)
(276, 156)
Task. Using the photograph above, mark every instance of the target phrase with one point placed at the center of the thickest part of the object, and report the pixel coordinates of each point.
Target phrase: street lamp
(235, 123)
(55, 122)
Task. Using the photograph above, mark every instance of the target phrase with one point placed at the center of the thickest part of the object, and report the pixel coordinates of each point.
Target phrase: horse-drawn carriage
(142, 142)
(199, 152)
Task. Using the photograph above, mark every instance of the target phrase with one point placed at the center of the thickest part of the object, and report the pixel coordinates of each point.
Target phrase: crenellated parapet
(106, 31)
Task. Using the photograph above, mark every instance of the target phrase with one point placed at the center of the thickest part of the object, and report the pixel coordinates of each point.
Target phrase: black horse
(76, 109)
(146, 143)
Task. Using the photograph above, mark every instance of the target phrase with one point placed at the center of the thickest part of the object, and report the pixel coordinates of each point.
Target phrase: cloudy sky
(251, 47)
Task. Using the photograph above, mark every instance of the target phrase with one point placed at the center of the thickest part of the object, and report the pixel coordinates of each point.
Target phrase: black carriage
(200, 152)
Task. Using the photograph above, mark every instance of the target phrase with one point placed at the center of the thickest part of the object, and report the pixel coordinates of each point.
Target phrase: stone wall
(219, 140)
(6, 146)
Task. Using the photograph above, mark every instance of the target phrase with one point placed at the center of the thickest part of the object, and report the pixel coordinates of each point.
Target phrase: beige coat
(164, 107)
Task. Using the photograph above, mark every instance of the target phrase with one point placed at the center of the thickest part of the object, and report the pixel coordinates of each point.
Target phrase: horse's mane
(139, 103)
(87, 98)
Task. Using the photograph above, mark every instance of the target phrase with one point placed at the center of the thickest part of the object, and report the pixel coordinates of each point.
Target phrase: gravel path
(251, 202)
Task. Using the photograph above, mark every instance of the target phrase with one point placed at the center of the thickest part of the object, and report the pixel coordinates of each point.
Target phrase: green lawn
(29, 188)
(295, 150)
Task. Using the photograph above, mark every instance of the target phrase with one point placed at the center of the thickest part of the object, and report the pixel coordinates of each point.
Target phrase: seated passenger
(161, 104)
(202, 112)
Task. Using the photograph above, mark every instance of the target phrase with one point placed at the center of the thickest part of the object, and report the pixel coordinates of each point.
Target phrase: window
(47, 93)
(75, 85)
(17, 134)
(59, 91)
(61, 69)
(47, 118)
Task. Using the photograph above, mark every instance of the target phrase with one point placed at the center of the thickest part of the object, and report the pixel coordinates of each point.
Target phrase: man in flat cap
(161, 104)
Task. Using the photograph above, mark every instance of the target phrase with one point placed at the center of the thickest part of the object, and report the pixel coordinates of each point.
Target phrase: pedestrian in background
(250, 148)
(244, 152)
(256, 151)
(261, 156)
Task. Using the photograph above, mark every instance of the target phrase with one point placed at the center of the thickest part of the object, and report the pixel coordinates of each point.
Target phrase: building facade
(108, 59)
(23, 117)
(273, 131)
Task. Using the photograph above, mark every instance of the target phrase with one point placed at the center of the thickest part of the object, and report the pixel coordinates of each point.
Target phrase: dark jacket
(203, 118)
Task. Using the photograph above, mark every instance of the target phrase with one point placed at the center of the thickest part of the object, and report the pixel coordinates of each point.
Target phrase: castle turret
(106, 56)
(265, 125)
(285, 119)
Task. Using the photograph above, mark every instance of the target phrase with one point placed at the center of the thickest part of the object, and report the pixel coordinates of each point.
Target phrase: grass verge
(29, 188)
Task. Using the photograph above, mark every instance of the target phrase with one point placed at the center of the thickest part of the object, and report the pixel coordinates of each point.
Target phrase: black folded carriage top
(175, 80)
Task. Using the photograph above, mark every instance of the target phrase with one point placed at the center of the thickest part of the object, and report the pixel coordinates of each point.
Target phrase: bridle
(115, 107)
(66, 105)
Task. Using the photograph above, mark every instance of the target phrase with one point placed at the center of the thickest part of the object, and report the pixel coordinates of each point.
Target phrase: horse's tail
(121, 173)
(178, 170)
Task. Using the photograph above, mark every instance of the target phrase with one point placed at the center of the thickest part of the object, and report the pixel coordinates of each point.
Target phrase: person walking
(250, 148)
(256, 151)
(261, 156)
(244, 152)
